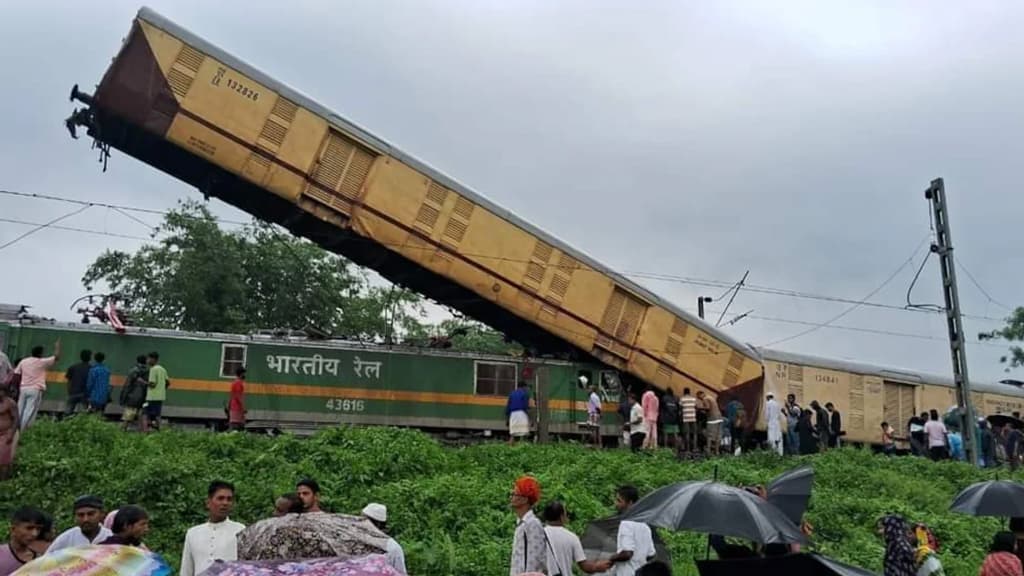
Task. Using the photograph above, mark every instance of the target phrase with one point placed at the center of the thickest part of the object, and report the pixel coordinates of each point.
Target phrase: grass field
(447, 506)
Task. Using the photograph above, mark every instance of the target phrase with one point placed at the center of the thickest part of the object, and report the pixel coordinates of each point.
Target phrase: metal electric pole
(943, 247)
(700, 305)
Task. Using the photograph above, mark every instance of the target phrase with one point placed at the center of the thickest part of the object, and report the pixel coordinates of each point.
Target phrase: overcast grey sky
(793, 139)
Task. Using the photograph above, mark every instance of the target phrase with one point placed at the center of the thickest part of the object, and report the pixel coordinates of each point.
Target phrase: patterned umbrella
(374, 565)
(310, 535)
(98, 561)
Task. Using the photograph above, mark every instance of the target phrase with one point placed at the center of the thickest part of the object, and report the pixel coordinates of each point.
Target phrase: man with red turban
(529, 545)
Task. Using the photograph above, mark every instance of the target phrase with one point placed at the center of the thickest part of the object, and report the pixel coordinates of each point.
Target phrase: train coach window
(232, 357)
(496, 378)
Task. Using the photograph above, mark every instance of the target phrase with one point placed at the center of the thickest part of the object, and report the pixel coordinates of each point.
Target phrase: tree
(201, 277)
(1012, 332)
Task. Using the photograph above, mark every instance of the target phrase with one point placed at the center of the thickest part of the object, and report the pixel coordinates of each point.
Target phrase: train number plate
(345, 405)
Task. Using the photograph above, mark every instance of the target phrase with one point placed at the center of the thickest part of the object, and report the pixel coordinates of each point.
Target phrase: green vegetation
(1012, 332)
(448, 505)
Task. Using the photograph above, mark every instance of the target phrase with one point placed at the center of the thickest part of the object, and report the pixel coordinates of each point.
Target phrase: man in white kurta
(216, 539)
(773, 415)
(378, 514)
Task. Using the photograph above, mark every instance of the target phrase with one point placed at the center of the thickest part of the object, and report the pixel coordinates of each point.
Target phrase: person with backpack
(133, 394)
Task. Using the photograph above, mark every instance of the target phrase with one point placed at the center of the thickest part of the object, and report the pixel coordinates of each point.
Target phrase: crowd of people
(550, 549)
(696, 425)
(32, 530)
(912, 550)
(141, 397)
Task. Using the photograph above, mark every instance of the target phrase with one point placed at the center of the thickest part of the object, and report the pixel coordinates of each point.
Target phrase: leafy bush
(448, 506)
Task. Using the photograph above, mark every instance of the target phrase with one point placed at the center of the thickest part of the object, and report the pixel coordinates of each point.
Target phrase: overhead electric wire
(927, 307)
(891, 277)
(783, 292)
(39, 227)
(733, 316)
(79, 230)
(979, 287)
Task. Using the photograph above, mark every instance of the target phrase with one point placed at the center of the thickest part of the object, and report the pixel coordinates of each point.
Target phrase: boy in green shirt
(156, 394)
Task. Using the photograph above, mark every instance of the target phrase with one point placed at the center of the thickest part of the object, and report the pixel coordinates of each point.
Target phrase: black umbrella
(715, 508)
(998, 420)
(791, 492)
(993, 498)
(601, 538)
(788, 565)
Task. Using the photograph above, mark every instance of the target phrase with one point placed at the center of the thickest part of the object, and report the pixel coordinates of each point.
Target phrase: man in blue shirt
(98, 385)
(517, 411)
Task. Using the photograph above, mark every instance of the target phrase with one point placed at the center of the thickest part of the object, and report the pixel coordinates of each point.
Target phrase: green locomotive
(298, 383)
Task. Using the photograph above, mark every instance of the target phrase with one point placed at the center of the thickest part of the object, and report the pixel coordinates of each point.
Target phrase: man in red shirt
(236, 402)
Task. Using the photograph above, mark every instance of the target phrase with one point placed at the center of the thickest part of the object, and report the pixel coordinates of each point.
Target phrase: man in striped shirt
(688, 415)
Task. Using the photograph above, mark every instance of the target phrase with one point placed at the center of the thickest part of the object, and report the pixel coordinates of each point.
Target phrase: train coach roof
(887, 373)
(382, 147)
(268, 340)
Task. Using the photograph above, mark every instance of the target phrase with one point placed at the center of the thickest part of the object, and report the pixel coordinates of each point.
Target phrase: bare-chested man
(8, 433)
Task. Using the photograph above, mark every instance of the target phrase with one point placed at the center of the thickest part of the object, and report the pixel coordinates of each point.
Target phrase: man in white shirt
(637, 424)
(216, 539)
(593, 411)
(773, 415)
(566, 549)
(634, 542)
(378, 514)
(88, 530)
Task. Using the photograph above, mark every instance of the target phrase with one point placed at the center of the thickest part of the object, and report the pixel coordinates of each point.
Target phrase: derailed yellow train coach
(188, 108)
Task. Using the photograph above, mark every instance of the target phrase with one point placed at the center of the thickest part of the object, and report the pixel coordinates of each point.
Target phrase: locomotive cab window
(611, 386)
(496, 378)
(232, 357)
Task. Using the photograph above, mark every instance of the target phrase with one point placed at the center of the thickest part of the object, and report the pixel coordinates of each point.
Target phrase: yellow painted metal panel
(164, 46)
(202, 141)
